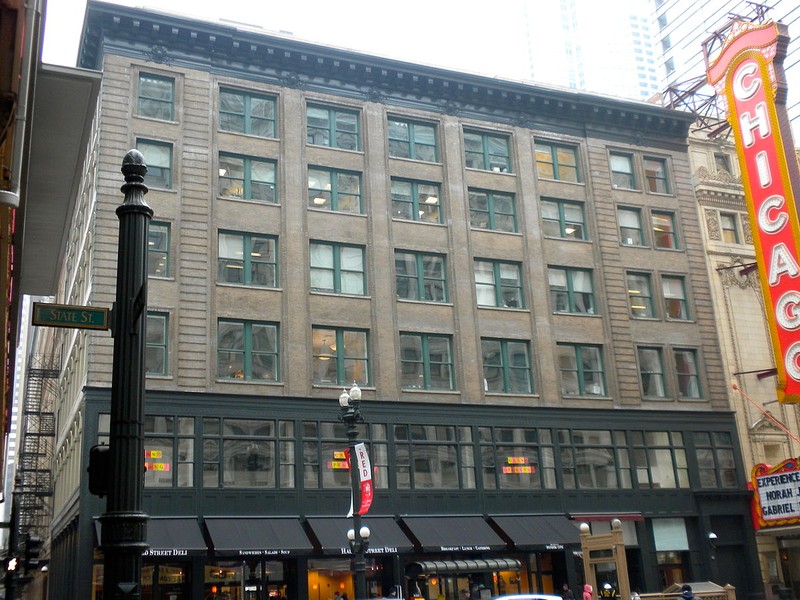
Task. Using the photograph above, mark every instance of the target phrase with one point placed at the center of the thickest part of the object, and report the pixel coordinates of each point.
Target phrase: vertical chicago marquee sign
(748, 75)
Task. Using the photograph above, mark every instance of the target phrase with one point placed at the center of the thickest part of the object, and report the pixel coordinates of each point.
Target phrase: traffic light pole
(124, 524)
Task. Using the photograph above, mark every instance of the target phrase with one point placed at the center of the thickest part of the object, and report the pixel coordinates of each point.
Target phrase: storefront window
(170, 580)
(517, 458)
(332, 578)
(594, 459)
(433, 457)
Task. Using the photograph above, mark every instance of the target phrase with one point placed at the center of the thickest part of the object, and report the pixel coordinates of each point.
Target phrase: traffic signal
(98, 469)
(33, 547)
(12, 562)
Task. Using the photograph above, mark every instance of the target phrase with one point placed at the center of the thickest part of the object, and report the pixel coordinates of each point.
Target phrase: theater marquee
(748, 74)
(777, 494)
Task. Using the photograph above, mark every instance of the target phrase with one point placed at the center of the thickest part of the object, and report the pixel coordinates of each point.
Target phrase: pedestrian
(635, 595)
(608, 592)
(566, 593)
(587, 592)
(686, 592)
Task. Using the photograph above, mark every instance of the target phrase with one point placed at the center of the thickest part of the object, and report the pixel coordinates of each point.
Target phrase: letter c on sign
(786, 310)
(745, 90)
(767, 223)
(792, 368)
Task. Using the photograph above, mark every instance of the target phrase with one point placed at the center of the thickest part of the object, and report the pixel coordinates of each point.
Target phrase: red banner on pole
(365, 477)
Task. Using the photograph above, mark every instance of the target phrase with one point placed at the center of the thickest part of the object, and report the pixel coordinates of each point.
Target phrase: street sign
(63, 315)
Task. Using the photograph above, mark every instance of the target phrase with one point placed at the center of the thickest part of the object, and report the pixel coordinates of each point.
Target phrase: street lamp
(358, 536)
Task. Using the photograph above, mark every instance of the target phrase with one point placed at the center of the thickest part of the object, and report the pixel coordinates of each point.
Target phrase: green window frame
(330, 189)
(498, 283)
(337, 268)
(557, 161)
(676, 304)
(433, 457)
(486, 151)
(158, 158)
(571, 290)
(426, 361)
(659, 458)
(420, 276)
(247, 259)
(729, 228)
(332, 127)
(517, 458)
(594, 459)
(158, 240)
(651, 372)
(248, 350)
(492, 210)
(247, 178)
(629, 220)
(340, 356)
(564, 219)
(581, 368)
(656, 175)
(156, 97)
(640, 294)
(169, 451)
(623, 175)
(414, 140)
(716, 459)
(665, 233)
(416, 200)
(506, 366)
(687, 373)
(246, 112)
(156, 353)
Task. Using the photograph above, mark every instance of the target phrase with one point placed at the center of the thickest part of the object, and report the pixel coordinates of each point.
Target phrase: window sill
(425, 302)
(247, 135)
(247, 286)
(578, 183)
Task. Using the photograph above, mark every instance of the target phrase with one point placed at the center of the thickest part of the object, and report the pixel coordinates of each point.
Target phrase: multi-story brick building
(513, 275)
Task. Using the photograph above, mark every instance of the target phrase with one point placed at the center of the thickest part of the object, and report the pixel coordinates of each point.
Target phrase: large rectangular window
(498, 283)
(158, 250)
(156, 98)
(247, 350)
(334, 127)
(248, 453)
(156, 351)
(655, 172)
(675, 303)
(420, 276)
(729, 226)
(665, 235)
(517, 458)
(563, 219)
(492, 210)
(427, 457)
(416, 201)
(651, 372)
(622, 173)
(168, 451)
(247, 178)
(247, 259)
(340, 356)
(660, 459)
(594, 459)
(245, 112)
(716, 459)
(581, 368)
(409, 139)
(426, 362)
(487, 151)
(640, 295)
(158, 158)
(571, 290)
(337, 268)
(325, 464)
(555, 161)
(686, 371)
(630, 226)
(506, 366)
(329, 189)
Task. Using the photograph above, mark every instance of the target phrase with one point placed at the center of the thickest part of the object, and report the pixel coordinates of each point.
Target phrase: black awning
(539, 531)
(170, 536)
(253, 536)
(437, 567)
(385, 535)
(454, 534)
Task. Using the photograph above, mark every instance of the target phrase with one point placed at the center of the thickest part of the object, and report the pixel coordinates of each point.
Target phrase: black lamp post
(358, 536)
(124, 523)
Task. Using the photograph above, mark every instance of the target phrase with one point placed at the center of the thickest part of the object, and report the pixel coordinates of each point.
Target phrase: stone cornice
(250, 54)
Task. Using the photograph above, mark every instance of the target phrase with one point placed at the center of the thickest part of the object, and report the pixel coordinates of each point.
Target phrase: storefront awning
(385, 535)
(253, 536)
(536, 532)
(454, 534)
(438, 567)
(169, 536)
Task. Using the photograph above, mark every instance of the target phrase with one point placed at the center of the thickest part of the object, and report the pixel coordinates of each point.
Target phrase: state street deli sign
(777, 494)
(748, 75)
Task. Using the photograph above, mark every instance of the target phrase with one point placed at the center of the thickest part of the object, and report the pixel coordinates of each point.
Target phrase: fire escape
(34, 481)
(696, 95)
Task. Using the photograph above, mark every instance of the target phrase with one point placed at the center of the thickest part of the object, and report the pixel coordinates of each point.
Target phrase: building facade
(514, 276)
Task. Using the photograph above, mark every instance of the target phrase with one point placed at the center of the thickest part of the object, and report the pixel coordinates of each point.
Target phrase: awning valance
(385, 536)
(454, 534)
(478, 565)
(255, 536)
(169, 536)
(538, 531)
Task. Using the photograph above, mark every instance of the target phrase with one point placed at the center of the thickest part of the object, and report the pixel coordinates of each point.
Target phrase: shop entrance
(245, 580)
(168, 581)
